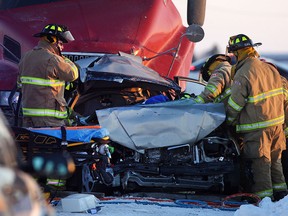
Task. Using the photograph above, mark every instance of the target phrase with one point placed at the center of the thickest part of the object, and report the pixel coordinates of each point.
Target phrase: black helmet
(59, 31)
(204, 69)
(240, 41)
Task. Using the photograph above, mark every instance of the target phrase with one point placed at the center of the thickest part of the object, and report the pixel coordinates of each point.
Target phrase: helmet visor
(67, 36)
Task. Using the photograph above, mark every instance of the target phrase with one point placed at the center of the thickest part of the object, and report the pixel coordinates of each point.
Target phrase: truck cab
(150, 29)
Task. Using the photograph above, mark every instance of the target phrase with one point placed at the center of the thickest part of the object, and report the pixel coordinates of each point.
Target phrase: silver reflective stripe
(199, 99)
(230, 119)
(224, 95)
(265, 95)
(41, 82)
(211, 88)
(259, 125)
(266, 193)
(234, 105)
(279, 187)
(45, 112)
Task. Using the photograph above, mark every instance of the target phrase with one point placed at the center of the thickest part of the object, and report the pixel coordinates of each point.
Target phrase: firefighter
(256, 108)
(216, 71)
(43, 72)
(284, 158)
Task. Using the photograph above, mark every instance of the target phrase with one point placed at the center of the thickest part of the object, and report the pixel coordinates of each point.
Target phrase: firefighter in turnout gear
(284, 158)
(216, 71)
(43, 72)
(256, 108)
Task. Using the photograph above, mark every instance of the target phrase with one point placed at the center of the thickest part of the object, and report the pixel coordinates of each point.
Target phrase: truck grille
(75, 56)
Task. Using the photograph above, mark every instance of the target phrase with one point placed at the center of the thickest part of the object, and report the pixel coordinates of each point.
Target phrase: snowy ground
(131, 207)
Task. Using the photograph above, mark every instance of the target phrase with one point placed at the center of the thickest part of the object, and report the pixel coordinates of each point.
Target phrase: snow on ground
(131, 208)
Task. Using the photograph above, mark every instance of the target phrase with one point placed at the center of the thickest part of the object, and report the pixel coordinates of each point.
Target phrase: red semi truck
(150, 29)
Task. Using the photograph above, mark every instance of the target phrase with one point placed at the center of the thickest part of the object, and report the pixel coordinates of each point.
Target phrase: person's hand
(185, 95)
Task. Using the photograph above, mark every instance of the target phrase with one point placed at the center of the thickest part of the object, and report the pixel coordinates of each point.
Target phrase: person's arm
(66, 69)
(237, 99)
(214, 88)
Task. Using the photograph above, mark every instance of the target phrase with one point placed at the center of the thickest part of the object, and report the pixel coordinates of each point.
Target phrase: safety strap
(64, 142)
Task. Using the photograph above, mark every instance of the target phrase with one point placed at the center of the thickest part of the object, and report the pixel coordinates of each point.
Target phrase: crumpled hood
(160, 125)
(99, 72)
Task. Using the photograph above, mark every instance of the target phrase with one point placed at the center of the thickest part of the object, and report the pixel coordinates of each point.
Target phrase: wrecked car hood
(128, 71)
(141, 127)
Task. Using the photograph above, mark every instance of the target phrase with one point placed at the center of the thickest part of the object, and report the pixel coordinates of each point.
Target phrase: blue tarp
(77, 134)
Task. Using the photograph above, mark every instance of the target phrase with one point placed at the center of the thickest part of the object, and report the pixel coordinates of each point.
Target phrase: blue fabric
(74, 135)
(156, 99)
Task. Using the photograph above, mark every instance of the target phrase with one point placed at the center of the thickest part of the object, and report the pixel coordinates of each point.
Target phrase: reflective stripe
(279, 187)
(199, 99)
(265, 95)
(73, 66)
(230, 119)
(259, 125)
(224, 95)
(56, 182)
(45, 112)
(265, 193)
(234, 105)
(285, 93)
(40, 81)
(211, 88)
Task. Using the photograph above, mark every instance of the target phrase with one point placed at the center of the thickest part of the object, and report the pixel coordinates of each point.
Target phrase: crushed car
(156, 139)
(171, 144)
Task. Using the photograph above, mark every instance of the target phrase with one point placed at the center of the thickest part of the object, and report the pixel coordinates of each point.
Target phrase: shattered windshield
(5, 5)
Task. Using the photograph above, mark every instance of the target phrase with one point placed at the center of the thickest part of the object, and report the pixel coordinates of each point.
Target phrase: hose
(224, 205)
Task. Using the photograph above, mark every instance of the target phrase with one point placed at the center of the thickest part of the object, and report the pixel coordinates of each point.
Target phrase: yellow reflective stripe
(279, 187)
(53, 27)
(74, 67)
(244, 38)
(230, 119)
(224, 95)
(44, 112)
(211, 88)
(40, 81)
(265, 193)
(265, 95)
(259, 125)
(199, 99)
(285, 93)
(234, 105)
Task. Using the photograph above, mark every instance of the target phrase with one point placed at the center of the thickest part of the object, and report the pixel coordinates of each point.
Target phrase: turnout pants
(263, 149)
